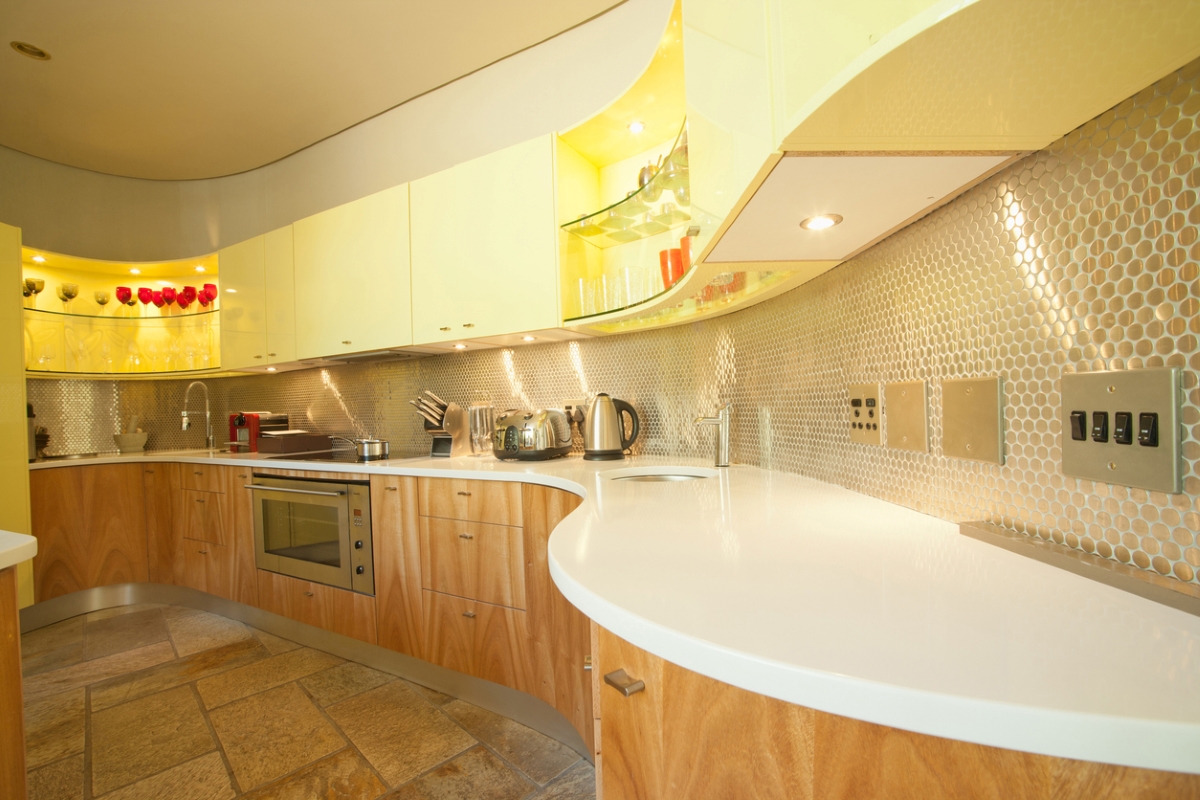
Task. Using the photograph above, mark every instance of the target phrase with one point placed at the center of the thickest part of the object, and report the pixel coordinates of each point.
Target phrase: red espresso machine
(245, 428)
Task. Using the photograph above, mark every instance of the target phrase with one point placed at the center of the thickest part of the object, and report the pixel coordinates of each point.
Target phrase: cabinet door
(352, 277)
(280, 296)
(202, 517)
(484, 246)
(160, 483)
(396, 539)
(237, 523)
(489, 642)
(474, 560)
(495, 502)
(631, 728)
(243, 304)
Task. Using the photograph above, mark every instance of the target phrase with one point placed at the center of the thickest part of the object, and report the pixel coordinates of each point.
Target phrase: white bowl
(131, 442)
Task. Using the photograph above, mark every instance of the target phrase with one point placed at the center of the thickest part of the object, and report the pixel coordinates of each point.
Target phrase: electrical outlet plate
(1135, 391)
(906, 416)
(865, 418)
(973, 419)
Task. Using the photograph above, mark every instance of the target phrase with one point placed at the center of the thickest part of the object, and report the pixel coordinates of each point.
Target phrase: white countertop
(15, 548)
(817, 595)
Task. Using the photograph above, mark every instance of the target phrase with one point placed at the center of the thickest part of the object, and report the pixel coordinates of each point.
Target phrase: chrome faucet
(721, 420)
(187, 424)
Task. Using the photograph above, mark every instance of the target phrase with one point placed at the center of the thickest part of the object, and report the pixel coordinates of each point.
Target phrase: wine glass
(67, 292)
(211, 290)
(102, 299)
(35, 286)
(168, 294)
(204, 297)
(124, 295)
(145, 295)
(186, 297)
(158, 299)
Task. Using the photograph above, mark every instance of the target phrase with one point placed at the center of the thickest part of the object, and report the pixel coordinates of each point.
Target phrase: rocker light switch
(1099, 426)
(1123, 427)
(1079, 431)
(865, 422)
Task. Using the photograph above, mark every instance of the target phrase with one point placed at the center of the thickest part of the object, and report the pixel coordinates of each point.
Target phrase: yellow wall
(14, 431)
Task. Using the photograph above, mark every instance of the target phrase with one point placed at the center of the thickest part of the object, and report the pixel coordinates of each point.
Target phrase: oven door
(302, 529)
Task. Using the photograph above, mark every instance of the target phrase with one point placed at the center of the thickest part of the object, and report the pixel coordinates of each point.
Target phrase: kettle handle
(622, 407)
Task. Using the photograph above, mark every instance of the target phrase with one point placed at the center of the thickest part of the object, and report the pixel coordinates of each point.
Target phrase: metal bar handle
(624, 683)
(466, 536)
(291, 491)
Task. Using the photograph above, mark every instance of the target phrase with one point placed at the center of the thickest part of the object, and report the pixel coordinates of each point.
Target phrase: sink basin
(660, 474)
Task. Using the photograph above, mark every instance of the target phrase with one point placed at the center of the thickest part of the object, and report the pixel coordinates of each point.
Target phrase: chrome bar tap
(187, 424)
(721, 420)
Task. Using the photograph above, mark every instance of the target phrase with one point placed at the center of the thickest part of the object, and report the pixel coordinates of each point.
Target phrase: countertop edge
(16, 548)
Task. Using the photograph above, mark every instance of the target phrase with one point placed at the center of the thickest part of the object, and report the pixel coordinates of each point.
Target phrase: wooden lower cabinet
(480, 639)
(395, 533)
(214, 536)
(332, 609)
(689, 736)
(163, 492)
(90, 523)
(12, 730)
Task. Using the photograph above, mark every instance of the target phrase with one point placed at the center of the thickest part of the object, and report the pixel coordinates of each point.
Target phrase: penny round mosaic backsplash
(1083, 256)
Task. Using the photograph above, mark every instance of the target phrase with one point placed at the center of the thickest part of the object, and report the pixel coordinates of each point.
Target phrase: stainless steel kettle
(604, 429)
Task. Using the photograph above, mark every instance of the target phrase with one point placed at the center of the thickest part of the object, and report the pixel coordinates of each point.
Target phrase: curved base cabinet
(516, 705)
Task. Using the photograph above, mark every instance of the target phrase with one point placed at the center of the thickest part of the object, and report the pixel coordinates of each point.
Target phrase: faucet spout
(187, 424)
(721, 420)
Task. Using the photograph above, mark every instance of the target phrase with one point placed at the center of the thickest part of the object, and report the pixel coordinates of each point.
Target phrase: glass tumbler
(481, 416)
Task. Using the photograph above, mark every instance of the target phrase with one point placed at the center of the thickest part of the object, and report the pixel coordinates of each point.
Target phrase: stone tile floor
(155, 701)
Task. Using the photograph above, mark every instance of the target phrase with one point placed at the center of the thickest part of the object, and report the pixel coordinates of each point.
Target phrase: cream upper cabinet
(243, 309)
(280, 296)
(484, 246)
(352, 277)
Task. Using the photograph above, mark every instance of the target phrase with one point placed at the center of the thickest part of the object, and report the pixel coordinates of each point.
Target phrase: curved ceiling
(202, 88)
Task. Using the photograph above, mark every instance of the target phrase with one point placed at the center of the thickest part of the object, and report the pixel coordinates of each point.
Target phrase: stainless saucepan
(368, 449)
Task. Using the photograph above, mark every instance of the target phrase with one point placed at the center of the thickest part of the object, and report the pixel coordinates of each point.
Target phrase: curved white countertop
(15, 548)
(817, 595)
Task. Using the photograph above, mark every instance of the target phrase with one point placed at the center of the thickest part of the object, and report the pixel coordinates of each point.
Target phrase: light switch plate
(1135, 391)
(973, 419)
(865, 417)
(906, 416)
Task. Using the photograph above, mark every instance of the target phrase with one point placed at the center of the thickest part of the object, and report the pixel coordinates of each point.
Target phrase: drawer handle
(258, 356)
(623, 683)
(199, 500)
(466, 536)
(587, 663)
(443, 329)
(197, 472)
(243, 476)
(308, 594)
(469, 614)
(272, 355)
(464, 494)
(390, 489)
(203, 552)
(346, 341)
(468, 324)
(149, 472)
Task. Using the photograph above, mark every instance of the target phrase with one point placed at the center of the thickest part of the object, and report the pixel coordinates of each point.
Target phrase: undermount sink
(660, 474)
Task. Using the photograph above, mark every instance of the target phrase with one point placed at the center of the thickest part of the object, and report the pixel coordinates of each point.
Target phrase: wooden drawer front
(487, 641)
(202, 519)
(208, 567)
(496, 502)
(202, 477)
(473, 560)
(336, 610)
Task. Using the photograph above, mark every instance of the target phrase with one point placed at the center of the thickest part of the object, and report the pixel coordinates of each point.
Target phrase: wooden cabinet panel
(275, 594)
(280, 281)
(237, 522)
(495, 502)
(202, 477)
(454, 275)
(487, 641)
(90, 523)
(12, 732)
(160, 483)
(202, 517)
(347, 258)
(631, 727)
(243, 304)
(395, 532)
(473, 560)
(336, 610)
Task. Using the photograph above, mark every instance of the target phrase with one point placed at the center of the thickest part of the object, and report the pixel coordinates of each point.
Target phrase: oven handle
(290, 491)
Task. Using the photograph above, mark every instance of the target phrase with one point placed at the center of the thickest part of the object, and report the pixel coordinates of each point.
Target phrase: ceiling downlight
(33, 51)
(820, 222)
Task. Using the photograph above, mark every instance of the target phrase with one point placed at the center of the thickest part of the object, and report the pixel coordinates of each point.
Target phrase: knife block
(453, 439)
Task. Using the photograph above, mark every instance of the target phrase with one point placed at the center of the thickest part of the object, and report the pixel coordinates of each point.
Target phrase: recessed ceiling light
(201, 269)
(270, 369)
(820, 222)
(39, 259)
(460, 346)
(134, 271)
(528, 338)
(637, 126)
(26, 49)
(231, 291)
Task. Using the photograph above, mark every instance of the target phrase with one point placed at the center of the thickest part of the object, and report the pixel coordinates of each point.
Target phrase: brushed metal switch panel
(906, 416)
(865, 414)
(973, 419)
(1134, 392)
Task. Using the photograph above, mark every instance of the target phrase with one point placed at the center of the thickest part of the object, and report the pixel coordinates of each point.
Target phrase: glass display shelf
(122, 314)
(662, 204)
(63, 343)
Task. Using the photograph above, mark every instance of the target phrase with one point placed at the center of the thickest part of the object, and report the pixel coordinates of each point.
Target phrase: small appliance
(604, 429)
(531, 435)
(245, 427)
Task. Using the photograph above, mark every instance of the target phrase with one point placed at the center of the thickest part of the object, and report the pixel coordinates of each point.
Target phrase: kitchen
(862, 382)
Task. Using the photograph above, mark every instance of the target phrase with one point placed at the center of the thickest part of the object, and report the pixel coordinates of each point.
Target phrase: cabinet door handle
(587, 663)
(464, 494)
(468, 324)
(272, 355)
(466, 536)
(308, 594)
(197, 472)
(624, 683)
(203, 552)
(346, 341)
(243, 476)
(149, 471)
(258, 356)
(469, 614)
(443, 329)
(390, 489)
(198, 500)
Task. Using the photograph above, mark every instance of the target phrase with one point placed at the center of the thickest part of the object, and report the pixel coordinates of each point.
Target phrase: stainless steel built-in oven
(315, 530)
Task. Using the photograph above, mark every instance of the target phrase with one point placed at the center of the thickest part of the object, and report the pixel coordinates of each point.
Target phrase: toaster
(531, 435)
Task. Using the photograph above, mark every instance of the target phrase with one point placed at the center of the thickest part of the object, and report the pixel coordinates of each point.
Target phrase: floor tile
(54, 727)
(274, 643)
(432, 695)
(203, 778)
(124, 688)
(577, 783)
(535, 754)
(62, 780)
(54, 646)
(399, 733)
(196, 632)
(342, 776)
(343, 681)
(125, 632)
(100, 669)
(137, 739)
(262, 675)
(270, 734)
(116, 611)
(175, 612)
(475, 775)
